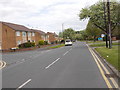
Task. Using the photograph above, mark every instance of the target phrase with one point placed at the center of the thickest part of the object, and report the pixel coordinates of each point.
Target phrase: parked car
(68, 42)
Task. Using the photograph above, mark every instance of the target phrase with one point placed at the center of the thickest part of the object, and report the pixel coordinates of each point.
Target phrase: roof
(39, 31)
(17, 27)
(53, 34)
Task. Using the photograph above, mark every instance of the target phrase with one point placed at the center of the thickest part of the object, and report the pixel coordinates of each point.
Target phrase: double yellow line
(100, 66)
(2, 64)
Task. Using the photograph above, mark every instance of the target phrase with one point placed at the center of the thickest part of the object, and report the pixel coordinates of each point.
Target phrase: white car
(68, 42)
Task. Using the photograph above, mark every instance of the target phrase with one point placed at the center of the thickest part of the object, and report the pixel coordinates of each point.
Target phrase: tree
(69, 34)
(97, 15)
(84, 35)
(92, 30)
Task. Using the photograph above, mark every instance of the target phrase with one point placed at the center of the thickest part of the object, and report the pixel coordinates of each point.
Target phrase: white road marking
(23, 60)
(52, 63)
(24, 84)
(65, 53)
(70, 49)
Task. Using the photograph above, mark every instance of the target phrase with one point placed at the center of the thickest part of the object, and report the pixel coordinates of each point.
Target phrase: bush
(26, 45)
(41, 42)
(56, 42)
(45, 42)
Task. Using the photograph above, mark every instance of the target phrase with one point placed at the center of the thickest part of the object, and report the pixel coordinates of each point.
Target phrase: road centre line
(52, 63)
(107, 72)
(23, 84)
(101, 71)
(70, 49)
(65, 53)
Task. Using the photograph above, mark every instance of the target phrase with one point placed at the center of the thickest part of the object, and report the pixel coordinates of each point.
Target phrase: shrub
(45, 42)
(41, 42)
(56, 42)
(26, 45)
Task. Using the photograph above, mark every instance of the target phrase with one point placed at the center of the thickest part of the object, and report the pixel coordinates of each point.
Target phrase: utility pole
(62, 27)
(109, 24)
(106, 33)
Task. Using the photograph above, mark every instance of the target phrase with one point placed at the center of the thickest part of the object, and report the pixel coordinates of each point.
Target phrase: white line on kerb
(24, 84)
(52, 63)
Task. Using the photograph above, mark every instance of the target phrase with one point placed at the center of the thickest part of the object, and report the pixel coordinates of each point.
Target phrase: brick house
(51, 37)
(39, 35)
(14, 34)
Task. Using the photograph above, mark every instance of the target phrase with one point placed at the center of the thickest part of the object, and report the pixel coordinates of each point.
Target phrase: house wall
(33, 37)
(8, 37)
(37, 37)
(51, 37)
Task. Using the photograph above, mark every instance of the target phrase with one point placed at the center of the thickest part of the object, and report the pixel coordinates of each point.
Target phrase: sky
(45, 15)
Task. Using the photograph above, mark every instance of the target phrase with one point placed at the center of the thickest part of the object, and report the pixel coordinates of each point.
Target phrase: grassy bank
(103, 44)
(58, 46)
(111, 55)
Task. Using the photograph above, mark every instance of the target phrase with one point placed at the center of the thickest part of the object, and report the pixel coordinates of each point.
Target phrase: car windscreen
(67, 41)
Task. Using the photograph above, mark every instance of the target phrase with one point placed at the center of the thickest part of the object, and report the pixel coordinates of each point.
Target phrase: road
(66, 67)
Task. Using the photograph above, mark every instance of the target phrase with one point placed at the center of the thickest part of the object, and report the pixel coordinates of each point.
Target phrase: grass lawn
(111, 55)
(103, 44)
(95, 42)
(58, 46)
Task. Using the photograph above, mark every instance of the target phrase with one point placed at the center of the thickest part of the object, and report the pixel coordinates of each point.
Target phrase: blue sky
(46, 15)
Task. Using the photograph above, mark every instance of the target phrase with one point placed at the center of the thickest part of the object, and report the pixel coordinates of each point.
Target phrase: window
(24, 34)
(29, 34)
(18, 42)
(33, 34)
(48, 36)
(18, 33)
(33, 40)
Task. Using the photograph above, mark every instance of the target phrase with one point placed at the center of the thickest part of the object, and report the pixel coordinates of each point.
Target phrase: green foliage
(96, 14)
(69, 33)
(92, 31)
(45, 42)
(27, 45)
(41, 42)
(58, 46)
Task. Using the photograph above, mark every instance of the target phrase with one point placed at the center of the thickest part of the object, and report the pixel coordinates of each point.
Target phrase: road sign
(102, 35)
(100, 39)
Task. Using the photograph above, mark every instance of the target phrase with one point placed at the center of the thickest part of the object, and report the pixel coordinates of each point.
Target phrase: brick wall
(8, 37)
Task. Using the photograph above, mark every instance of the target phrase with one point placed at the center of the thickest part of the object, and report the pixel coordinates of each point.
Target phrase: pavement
(74, 66)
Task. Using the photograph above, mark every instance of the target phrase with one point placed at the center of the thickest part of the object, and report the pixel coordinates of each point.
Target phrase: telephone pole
(109, 24)
(106, 33)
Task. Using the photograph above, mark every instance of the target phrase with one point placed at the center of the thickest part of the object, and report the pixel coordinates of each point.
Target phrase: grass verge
(111, 55)
(103, 44)
(58, 46)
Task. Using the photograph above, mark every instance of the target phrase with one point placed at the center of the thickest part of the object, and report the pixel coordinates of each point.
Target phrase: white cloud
(47, 15)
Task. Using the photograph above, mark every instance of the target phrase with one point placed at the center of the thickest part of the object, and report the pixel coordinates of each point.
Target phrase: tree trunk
(106, 37)
(94, 38)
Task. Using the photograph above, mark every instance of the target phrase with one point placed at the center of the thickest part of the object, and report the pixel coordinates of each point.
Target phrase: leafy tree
(84, 35)
(69, 34)
(95, 14)
(93, 31)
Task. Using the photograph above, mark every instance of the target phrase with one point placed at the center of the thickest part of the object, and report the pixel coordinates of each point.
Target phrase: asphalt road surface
(66, 67)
